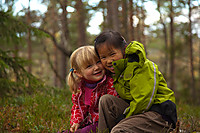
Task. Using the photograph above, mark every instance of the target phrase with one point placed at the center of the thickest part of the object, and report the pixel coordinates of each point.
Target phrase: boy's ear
(78, 74)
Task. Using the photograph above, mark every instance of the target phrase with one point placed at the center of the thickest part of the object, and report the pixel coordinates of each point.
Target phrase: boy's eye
(102, 58)
(112, 54)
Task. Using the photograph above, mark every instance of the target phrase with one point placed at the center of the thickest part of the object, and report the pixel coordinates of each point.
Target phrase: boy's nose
(109, 61)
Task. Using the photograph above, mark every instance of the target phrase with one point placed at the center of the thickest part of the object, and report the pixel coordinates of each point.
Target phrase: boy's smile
(108, 55)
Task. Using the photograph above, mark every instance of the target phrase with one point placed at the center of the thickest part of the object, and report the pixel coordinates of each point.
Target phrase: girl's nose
(96, 67)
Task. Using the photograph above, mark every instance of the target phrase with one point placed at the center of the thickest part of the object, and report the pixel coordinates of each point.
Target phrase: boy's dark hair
(111, 39)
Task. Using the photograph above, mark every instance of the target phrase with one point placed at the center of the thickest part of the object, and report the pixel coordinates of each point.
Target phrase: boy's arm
(164, 93)
(136, 83)
(143, 85)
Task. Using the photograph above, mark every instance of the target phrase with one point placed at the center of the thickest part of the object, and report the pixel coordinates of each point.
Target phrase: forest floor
(49, 111)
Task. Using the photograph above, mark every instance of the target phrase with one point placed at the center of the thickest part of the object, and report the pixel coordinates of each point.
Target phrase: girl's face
(108, 55)
(93, 72)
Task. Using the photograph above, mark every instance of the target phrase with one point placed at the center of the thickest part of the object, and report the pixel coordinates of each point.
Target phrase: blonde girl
(87, 82)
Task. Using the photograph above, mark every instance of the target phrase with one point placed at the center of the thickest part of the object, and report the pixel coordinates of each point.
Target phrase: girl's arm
(74, 127)
(110, 87)
(76, 117)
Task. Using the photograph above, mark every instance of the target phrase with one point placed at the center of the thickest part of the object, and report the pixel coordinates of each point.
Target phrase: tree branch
(62, 49)
(51, 65)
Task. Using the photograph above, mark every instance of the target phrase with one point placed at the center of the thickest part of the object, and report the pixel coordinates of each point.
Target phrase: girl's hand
(74, 127)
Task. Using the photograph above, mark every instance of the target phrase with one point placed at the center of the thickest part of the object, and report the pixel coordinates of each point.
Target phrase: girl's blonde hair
(79, 60)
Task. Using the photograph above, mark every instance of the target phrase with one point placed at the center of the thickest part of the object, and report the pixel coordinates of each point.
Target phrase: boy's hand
(74, 127)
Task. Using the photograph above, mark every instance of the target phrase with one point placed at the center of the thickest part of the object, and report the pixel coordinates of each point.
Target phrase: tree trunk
(52, 66)
(199, 70)
(81, 23)
(125, 30)
(104, 18)
(109, 15)
(53, 19)
(172, 48)
(55, 65)
(29, 39)
(191, 54)
(115, 16)
(165, 38)
(143, 39)
(16, 55)
(64, 40)
(112, 15)
(55, 49)
(131, 28)
(138, 33)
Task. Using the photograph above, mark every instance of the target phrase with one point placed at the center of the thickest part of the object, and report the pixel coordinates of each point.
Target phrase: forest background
(35, 48)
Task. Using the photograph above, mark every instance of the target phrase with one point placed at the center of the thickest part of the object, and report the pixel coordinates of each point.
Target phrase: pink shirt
(88, 93)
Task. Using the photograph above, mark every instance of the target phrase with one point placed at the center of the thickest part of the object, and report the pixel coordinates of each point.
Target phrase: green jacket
(139, 81)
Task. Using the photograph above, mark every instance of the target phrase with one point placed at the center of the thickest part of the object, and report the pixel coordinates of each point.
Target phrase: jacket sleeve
(164, 93)
(142, 85)
(75, 111)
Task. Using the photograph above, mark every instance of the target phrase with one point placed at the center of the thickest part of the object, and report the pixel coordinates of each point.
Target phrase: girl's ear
(78, 74)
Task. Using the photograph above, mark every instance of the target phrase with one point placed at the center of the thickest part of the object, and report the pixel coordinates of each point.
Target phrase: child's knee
(105, 99)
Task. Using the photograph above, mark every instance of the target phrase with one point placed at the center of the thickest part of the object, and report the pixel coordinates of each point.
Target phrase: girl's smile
(93, 72)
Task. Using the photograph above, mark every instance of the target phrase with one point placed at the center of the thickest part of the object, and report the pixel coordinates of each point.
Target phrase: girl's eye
(89, 66)
(98, 62)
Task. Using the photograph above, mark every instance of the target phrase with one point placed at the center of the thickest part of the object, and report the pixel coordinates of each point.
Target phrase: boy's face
(108, 55)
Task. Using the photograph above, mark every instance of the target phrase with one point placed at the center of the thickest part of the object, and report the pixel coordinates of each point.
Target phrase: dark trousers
(111, 108)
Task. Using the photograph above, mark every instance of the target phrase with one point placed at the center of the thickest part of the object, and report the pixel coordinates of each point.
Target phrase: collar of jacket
(82, 84)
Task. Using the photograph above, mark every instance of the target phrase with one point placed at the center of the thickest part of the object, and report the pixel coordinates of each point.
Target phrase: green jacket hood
(136, 48)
